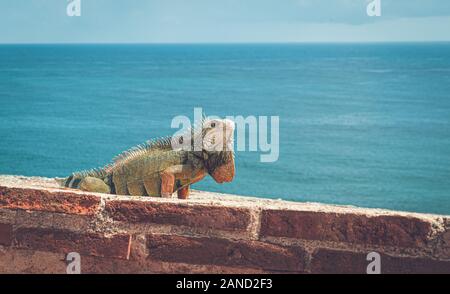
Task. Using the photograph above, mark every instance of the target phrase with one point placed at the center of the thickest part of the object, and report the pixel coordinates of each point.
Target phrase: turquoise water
(365, 125)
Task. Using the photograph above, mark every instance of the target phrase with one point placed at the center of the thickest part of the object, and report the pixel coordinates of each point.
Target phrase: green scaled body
(143, 176)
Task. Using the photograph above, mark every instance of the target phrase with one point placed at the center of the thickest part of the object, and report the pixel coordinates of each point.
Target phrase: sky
(223, 21)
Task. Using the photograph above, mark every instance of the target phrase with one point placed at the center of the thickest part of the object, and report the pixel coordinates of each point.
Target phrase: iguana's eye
(213, 125)
(181, 140)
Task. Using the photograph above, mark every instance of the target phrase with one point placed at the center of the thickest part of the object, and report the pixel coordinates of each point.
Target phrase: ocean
(360, 124)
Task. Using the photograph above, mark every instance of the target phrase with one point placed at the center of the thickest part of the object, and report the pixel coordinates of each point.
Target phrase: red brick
(60, 241)
(17, 261)
(352, 228)
(443, 246)
(328, 261)
(44, 200)
(214, 251)
(101, 265)
(198, 216)
(5, 234)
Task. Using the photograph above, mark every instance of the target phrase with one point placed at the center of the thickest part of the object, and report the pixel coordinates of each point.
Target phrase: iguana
(156, 168)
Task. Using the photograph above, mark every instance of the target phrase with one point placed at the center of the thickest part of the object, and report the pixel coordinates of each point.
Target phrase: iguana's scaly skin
(157, 169)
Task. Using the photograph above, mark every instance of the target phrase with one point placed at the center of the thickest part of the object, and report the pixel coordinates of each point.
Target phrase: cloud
(220, 20)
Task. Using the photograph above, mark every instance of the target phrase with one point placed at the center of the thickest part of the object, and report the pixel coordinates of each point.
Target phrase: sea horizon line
(231, 43)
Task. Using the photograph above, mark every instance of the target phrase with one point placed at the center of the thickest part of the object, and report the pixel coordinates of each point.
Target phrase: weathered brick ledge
(210, 233)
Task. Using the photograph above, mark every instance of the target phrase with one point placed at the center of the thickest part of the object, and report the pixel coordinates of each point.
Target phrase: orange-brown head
(218, 138)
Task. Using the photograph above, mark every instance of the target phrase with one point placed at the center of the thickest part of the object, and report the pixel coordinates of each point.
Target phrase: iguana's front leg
(184, 175)
(183, 193)
(167, 184)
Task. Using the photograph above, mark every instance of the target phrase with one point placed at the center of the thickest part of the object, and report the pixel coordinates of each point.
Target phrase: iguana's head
(217, 148)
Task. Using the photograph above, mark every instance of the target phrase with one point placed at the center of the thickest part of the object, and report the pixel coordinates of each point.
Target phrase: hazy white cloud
(223, 21)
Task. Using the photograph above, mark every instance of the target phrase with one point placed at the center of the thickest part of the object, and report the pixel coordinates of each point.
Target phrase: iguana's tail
(96, 180)
(61, 181)
(72, 181)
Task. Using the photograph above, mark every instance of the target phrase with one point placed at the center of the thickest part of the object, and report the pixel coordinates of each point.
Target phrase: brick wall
(210, 233)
